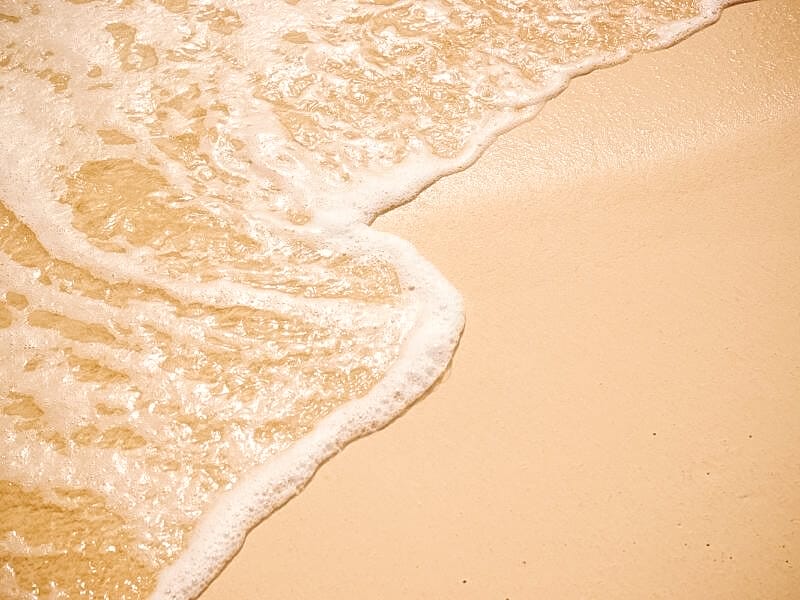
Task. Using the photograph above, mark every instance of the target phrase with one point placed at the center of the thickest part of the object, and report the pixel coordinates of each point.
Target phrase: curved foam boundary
(425, 356)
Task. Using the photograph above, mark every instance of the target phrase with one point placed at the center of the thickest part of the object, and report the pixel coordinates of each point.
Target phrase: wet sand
(622, 417)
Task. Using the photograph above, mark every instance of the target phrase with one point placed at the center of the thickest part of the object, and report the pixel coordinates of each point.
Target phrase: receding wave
(194, 312)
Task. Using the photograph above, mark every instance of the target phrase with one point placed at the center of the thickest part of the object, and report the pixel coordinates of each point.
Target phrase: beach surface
(622, 417)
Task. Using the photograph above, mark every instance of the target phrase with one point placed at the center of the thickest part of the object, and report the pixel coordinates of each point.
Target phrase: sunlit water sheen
(193, 311)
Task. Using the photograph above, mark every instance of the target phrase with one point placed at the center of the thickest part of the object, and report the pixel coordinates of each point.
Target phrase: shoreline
(628, 262)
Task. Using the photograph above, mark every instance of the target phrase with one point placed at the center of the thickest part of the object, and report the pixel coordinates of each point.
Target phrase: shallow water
(193, 311)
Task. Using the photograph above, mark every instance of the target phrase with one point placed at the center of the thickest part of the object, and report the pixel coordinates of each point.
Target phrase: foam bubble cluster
(194, 312)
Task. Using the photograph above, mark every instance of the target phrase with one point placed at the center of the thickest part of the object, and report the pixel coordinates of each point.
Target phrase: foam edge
(425, 355)
(432, 341)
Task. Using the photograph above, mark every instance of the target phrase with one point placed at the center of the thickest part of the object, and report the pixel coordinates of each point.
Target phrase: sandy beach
(622, 417)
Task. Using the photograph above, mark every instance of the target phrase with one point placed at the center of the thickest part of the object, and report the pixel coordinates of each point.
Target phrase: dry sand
(622, 418)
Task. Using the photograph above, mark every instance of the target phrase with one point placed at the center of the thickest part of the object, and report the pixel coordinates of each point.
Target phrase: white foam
(334, 168)
(425, 355)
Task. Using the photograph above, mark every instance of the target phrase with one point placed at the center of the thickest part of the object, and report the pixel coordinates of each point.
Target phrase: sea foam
(194, 312)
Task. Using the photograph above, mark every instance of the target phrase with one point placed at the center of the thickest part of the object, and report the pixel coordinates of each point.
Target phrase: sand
(622, 417)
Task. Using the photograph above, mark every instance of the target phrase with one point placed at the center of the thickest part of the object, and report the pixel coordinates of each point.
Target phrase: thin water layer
(193, 311)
